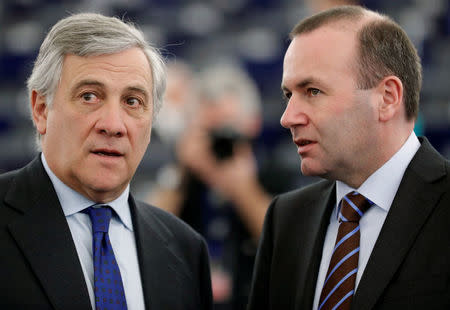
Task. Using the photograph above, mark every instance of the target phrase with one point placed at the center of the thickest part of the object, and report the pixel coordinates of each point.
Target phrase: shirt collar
(382, 185)
(73, 202)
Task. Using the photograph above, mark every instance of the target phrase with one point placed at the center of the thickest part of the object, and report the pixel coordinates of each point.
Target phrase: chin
(309, 170)
(107, 185)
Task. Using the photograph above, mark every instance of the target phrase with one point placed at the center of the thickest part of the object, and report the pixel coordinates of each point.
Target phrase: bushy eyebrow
(96, 83)
(139, 90)
(83, 83)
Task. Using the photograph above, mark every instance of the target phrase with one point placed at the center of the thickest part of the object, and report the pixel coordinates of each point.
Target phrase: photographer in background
(214, 186)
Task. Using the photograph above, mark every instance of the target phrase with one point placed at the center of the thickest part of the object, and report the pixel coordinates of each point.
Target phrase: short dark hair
(383, 47)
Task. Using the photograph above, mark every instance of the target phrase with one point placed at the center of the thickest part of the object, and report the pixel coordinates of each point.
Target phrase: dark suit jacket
(409, 267)
(39, 265)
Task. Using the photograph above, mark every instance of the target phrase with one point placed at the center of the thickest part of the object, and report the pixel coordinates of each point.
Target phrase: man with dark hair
(374, 234)
(71, 234)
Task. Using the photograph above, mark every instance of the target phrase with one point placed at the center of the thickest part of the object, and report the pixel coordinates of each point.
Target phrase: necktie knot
(353, 206)
(100, 218)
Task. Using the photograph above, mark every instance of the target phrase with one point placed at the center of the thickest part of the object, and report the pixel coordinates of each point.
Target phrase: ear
(391, 103)
(39, 110)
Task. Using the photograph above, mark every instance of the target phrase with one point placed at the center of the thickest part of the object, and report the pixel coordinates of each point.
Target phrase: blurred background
(250, 33)
(225, 67)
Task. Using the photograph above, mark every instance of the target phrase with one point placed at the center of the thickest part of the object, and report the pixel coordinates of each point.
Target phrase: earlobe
(391, 90)
(39, 110)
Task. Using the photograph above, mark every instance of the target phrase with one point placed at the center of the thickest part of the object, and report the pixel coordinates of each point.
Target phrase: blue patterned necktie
(339, 285)
(108, 287)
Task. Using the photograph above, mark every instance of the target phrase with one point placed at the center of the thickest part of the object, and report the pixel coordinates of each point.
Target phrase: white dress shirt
(380, 188)
(120, 233)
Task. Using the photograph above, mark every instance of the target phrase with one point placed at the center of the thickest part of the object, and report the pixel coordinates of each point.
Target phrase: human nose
(293, 115)
(111, 121)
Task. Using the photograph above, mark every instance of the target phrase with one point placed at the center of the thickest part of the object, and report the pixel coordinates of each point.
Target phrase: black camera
(223, 141)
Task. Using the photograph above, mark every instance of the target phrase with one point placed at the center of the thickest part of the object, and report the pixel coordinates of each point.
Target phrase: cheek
(356, 131)
(336, 130)
(142, 134)
(147, 138)
(62, 126)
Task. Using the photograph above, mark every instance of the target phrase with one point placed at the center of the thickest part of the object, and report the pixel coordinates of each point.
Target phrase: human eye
(313, 92)
(133, 102)
(89, 97)
(286, 96)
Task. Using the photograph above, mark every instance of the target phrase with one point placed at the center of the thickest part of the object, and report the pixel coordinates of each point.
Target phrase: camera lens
(223, 141)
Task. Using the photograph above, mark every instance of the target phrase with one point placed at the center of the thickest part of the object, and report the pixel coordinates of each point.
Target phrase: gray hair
(90, 34)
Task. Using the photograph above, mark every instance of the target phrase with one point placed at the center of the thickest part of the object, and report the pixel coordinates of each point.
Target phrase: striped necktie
(339, 286)
(108, 287)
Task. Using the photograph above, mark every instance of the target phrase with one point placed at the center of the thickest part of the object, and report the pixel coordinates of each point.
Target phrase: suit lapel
(43, 235)
(314, 234)
(414, 201)
(158, 263)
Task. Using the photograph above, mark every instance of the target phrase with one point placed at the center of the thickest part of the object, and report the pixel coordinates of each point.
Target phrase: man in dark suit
(352, 80)
(94, 90)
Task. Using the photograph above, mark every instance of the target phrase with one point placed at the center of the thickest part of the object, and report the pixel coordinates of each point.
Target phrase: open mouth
(304, 142)
(107, 153)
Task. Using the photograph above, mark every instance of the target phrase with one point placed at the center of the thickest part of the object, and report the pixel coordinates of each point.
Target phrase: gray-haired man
(94, 90)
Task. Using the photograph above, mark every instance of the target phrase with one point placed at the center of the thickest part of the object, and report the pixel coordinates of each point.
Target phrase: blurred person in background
(72, 236)
(215, 184)
(179, 99)
(375, 233)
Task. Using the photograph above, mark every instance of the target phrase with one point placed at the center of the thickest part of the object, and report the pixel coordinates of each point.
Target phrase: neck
(389, 143)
